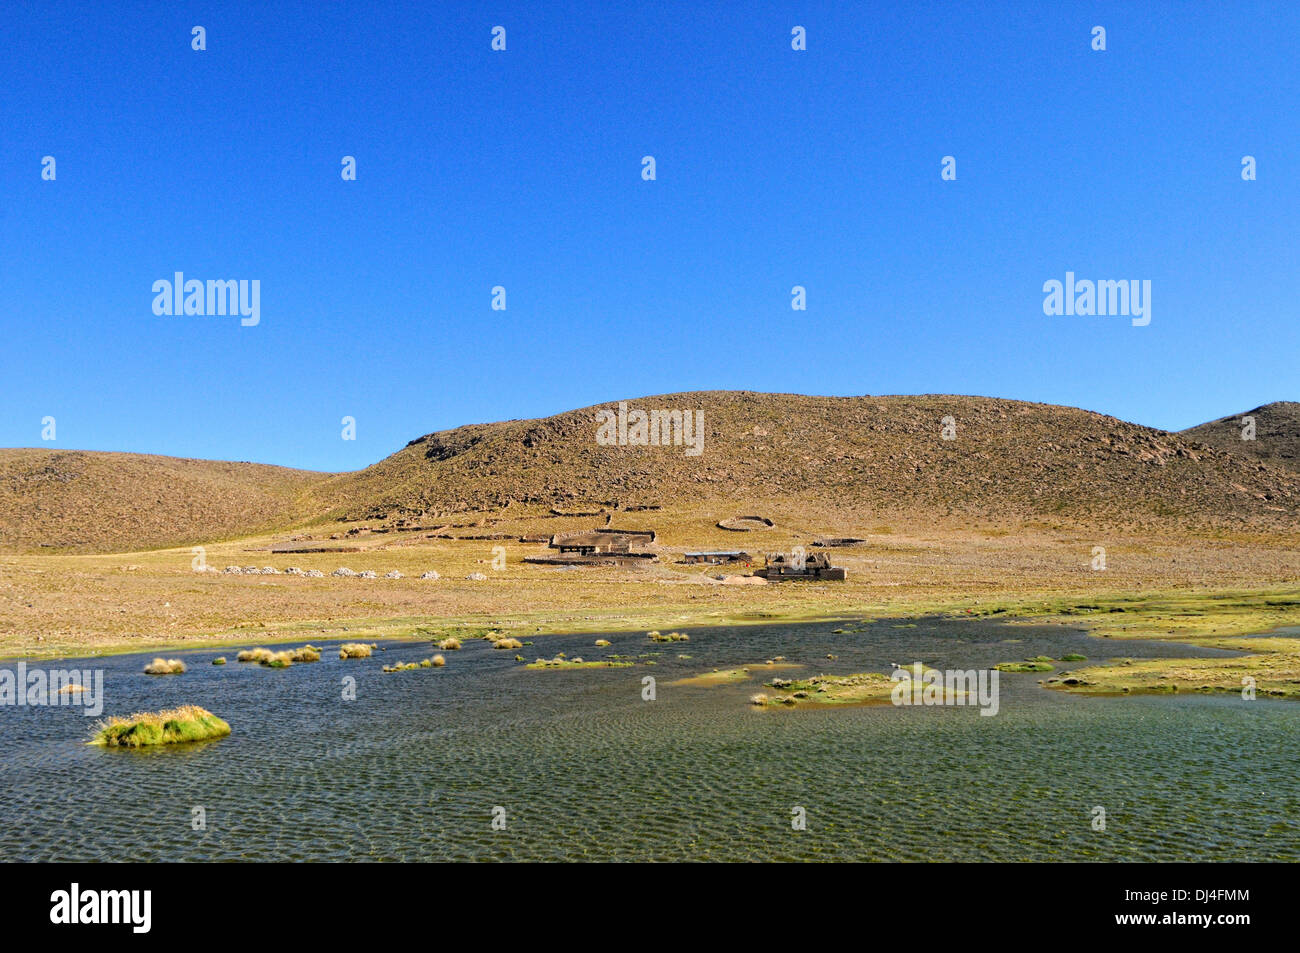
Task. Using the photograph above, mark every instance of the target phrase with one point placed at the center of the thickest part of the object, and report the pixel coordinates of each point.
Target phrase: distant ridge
(1010, 461)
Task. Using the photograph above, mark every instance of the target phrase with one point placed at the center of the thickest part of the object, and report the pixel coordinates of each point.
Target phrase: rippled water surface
(585, 769)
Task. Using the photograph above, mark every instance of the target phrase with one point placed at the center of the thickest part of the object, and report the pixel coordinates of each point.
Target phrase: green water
(584, 768)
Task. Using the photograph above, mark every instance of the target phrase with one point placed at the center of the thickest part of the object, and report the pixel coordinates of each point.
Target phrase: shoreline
(1261, 626)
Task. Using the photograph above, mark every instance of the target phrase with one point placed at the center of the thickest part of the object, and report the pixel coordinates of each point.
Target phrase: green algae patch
(1029, 666)
(170, 726)
(726, 676)
(1271, 671)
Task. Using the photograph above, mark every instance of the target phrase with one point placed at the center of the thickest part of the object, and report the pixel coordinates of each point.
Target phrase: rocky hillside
(863, 457)
(1008, 460)
(1277, 434)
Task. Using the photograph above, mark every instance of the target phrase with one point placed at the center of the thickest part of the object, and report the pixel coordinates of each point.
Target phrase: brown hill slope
(1010, 461)
(865, 458)
(86, 501)
(1277, 434)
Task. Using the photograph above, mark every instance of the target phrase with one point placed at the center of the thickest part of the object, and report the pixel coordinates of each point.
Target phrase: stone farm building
(784, 566)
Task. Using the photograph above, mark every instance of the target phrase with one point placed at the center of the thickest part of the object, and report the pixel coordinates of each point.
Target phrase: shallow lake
(584, 768)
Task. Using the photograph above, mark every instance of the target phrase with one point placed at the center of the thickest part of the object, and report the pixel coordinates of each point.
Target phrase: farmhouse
(600, 547)
(785, 566)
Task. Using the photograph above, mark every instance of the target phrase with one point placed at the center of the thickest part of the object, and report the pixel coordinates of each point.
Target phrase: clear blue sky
(523, 169)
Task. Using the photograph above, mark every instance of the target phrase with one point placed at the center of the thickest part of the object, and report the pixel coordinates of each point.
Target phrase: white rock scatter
(342, 571)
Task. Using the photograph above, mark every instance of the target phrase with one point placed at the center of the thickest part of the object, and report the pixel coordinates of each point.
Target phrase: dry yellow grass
(162, 666)
(71, 605)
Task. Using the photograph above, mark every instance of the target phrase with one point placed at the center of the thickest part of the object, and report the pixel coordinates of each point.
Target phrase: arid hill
(84, 501)
(1276, 439)
(1009, 460)
(867, 458)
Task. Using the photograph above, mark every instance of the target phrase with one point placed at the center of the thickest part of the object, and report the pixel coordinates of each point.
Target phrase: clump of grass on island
(655, 636)
(503, 641)
(449, 644)
(1027, 666)
(277, 660)
(253, 655)
(603, 643)
(862, 688)
(219, 660)
(165, 666)
(436, 661)
(561, 662)
(170, 726)
(355, 650)
(723, 676)
(308, 653)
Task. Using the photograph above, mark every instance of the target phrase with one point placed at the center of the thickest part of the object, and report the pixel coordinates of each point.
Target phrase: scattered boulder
(429, 575)
(343, 571)
(476, 577)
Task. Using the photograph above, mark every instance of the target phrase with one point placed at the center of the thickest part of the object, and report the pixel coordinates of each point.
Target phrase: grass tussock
(170, 726)
(449, 644)
(308, 653)
(436, 661)
(602, 643)
(670, 637)
(355, 650)
(219, 660)
(253, 655)
(165, 666)
(503, 641)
